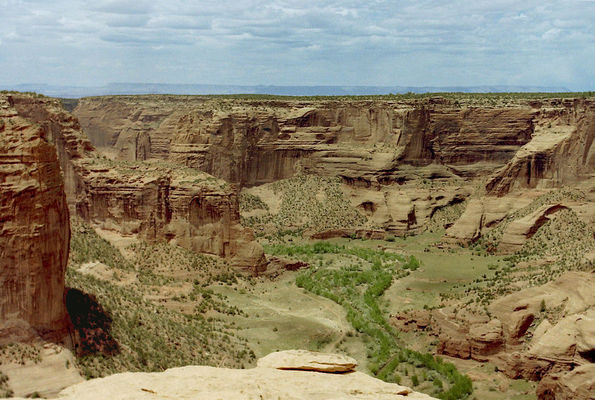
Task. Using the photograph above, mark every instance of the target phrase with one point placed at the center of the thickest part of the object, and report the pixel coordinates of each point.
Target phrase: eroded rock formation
(252, 142)
(560, 150)
(520, 339)
(520, 230)
(34, 232)
(156, 201)
(401, 161)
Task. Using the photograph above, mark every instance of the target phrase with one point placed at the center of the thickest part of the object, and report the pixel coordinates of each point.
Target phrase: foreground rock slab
(210, 383)
(232, 384)
(308, 361)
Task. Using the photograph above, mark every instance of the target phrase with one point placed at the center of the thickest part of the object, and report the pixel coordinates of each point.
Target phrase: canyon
(242, 179)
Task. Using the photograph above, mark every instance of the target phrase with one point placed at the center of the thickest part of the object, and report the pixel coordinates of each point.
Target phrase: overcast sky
(279, 42)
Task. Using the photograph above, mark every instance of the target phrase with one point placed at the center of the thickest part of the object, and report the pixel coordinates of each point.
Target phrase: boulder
(308, 361)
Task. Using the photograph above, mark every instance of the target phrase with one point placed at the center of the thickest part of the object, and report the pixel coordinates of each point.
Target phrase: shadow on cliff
(91, 324)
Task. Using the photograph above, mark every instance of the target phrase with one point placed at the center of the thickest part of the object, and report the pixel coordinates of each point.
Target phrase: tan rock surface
(34, 232)
(481, 214)
(520, 230)
(560, 150)
(557, 345)
(578, 384)
(308, 361)
(55, 371)
(255, 142)
(266, 383)
(382, 150)
(228, 384)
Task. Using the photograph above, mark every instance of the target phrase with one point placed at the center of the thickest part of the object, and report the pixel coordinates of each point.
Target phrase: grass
(278, 315)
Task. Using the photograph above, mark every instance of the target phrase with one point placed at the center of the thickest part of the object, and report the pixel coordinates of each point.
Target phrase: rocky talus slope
(290, 375)
(34, 232)
(156, 201)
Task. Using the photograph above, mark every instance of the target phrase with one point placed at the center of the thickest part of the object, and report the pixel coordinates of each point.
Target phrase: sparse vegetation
(357, 288)
(307, 201)
(558, 246)
(152, 332)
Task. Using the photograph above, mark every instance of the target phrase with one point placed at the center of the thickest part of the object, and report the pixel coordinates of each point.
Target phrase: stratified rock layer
(157, 201)
(255, 142)
(34, 232)
(560, 152)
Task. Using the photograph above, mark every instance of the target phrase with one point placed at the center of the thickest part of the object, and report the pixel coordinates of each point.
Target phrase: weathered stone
(578, 384)
(560, 150)
(308, 361)
(522, 229)
(34, 232)
(155, 201)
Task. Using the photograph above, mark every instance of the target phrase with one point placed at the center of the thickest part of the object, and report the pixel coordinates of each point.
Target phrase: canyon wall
(154, 200)
(254, 142)
(560, 151)
(401, 161)
(34, 232)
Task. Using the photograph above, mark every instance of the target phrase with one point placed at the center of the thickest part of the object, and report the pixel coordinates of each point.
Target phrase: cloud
(125, 7)
(295, 42)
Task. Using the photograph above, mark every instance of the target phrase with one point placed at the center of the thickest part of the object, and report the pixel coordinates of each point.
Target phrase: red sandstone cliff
(560, 151)
(156, 200)
(34, 232)
(254, 142)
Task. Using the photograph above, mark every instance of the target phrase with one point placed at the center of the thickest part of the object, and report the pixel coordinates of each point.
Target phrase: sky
(282, 42)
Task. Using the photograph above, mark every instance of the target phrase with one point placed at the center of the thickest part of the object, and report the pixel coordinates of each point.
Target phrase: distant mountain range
(164, 88)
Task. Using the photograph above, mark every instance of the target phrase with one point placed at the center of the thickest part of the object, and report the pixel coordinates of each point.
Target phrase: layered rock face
(401, 161)
(560, 151)
(34, 231)
(157, 201)
(251, 142)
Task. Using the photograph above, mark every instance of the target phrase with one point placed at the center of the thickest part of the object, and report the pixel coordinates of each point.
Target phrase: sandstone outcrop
(519, 346)
(560, 150)
(402, 210)
(197, 382)
(468, 339)
(157, 201)
(64, 131)
(520, 230)
(576, 384)
(34, 232)
(401, 161)
(479, 215)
